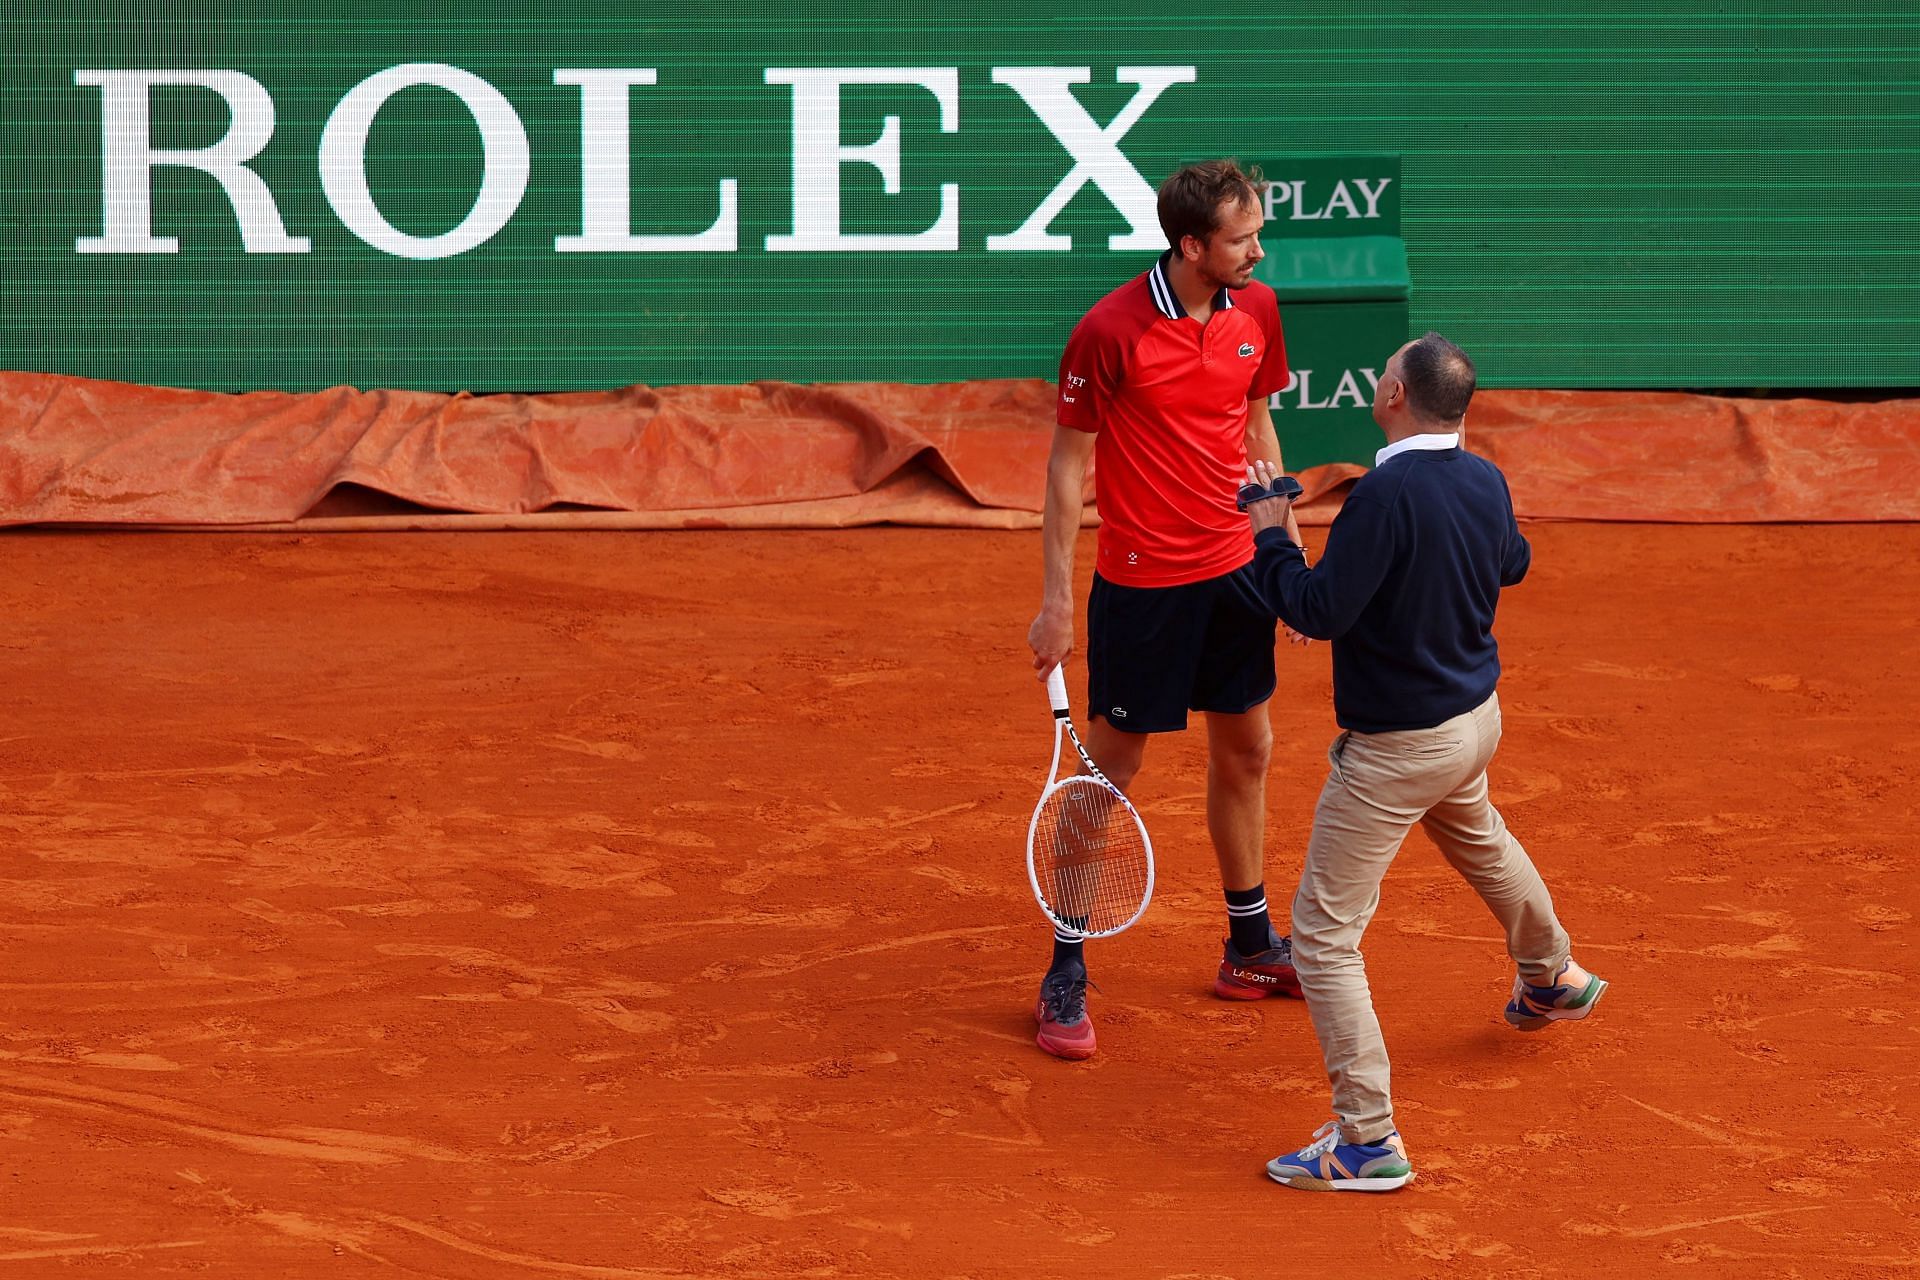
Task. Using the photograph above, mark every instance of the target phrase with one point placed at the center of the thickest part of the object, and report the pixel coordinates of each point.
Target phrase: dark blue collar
(1166, 301)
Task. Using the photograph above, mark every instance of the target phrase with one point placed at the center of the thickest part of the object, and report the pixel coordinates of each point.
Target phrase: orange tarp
(77, 451)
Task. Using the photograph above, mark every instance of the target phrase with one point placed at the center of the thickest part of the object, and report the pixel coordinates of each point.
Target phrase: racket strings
(1090, 857)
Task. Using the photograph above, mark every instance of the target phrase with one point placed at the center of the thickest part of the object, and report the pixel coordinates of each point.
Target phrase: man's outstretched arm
(1326, 600)
(1051, 635)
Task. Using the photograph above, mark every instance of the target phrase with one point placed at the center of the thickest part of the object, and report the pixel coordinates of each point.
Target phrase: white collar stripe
(1450, 440)
(1167, 302)
(1163, 299)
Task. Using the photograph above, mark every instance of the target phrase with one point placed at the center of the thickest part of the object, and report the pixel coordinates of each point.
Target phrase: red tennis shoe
(1065, 1029)
(1256, 977)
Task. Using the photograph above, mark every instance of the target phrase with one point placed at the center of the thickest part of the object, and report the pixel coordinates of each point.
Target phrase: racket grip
(1057, 691)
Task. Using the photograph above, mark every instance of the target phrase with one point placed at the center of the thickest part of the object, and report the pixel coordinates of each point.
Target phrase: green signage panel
(514, 196)
(1336, 351)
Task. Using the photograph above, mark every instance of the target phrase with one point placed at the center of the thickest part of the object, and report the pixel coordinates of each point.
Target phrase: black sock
(1247, 919)
(1069, 948)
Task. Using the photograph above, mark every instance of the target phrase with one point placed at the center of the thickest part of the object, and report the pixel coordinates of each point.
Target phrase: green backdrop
(1642, 194)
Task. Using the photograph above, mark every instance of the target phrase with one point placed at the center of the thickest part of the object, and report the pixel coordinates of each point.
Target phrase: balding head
(1425, 388)
(1439, 379)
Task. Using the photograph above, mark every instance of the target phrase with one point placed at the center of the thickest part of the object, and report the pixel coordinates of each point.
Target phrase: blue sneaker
(1331, 1163)
(1570, 996)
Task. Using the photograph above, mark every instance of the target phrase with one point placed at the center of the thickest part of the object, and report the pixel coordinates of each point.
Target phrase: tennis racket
(1088, 856)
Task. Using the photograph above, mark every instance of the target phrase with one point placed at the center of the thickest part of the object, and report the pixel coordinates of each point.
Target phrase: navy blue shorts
(1155, 653)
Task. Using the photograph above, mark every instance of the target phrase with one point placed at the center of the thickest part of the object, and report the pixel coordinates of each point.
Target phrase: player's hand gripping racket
(1088, 855)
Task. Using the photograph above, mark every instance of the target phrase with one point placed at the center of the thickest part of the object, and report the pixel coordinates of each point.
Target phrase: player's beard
(1239, 281)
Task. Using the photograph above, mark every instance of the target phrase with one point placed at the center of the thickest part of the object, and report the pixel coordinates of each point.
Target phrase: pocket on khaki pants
(1338, 749)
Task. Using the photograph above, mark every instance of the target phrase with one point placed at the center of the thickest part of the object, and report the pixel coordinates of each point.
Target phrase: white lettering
(819, 155)
(343, 157)
(1096, 153)
(1301, 380)
(1286, 193)
(606, 175)
(1292, 196)
(1299, 204)
(1371, 196)
(1341, 199)
(1349, 388)
(607, 179)
(128, 159)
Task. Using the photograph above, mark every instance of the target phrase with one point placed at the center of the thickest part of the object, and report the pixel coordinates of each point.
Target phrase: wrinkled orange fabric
(764, 455)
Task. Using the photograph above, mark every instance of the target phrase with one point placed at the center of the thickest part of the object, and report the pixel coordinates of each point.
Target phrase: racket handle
(1057, 692)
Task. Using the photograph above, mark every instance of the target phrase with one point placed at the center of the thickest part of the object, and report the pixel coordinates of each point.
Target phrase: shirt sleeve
(1273, 373)
(1091, 369)
(1325, 601)
(1516, 557)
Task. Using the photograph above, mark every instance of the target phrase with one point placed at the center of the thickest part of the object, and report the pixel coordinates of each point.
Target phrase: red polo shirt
(1168, 398)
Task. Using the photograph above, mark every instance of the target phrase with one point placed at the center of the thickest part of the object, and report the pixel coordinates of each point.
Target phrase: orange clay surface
(640, 905)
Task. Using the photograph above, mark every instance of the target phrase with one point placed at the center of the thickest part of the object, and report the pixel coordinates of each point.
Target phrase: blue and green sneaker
(1570, 996)
(1331, 1163)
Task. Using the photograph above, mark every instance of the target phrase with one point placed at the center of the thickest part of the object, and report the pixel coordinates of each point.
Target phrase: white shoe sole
(1560, 1015)
(1302, 1183)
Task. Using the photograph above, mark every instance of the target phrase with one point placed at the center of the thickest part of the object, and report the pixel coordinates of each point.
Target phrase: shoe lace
(1325, 1139)
(1065, 993)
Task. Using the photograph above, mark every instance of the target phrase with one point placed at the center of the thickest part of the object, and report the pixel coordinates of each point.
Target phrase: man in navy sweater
(1406, 591)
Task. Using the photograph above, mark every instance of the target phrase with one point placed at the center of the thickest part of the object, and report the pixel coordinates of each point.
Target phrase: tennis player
(1406, 591)
(1164, 385)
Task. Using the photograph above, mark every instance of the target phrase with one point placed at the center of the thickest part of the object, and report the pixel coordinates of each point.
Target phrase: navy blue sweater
(1407, 588)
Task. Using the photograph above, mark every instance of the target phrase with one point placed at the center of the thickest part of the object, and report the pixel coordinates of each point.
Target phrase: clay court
(651, 904)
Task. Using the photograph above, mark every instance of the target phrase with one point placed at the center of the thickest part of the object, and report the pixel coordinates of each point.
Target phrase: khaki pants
(1380, 785)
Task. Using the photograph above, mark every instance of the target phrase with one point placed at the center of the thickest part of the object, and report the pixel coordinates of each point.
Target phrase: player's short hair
(1439, 378)
(1190, 200)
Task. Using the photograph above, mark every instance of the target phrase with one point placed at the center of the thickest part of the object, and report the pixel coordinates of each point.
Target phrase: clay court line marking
(44, 1237)
(112, 1061)
(786, 1071)
(228, 1002)
(1783, 958)
(252, 1143)
(331, 988)
(892, 944)
(962, 807)
(1013, 1093)
(971, 1029)
(1712, 1134)
(532, 1262)
(142, 984)
(354, 1239)
(475, 958)
(83, 1251)
(250, 768)
(342, 1146)
(1800, 1259)
(1011, 980)
(1647, 1232)
(597, 750)
(1501, 942)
